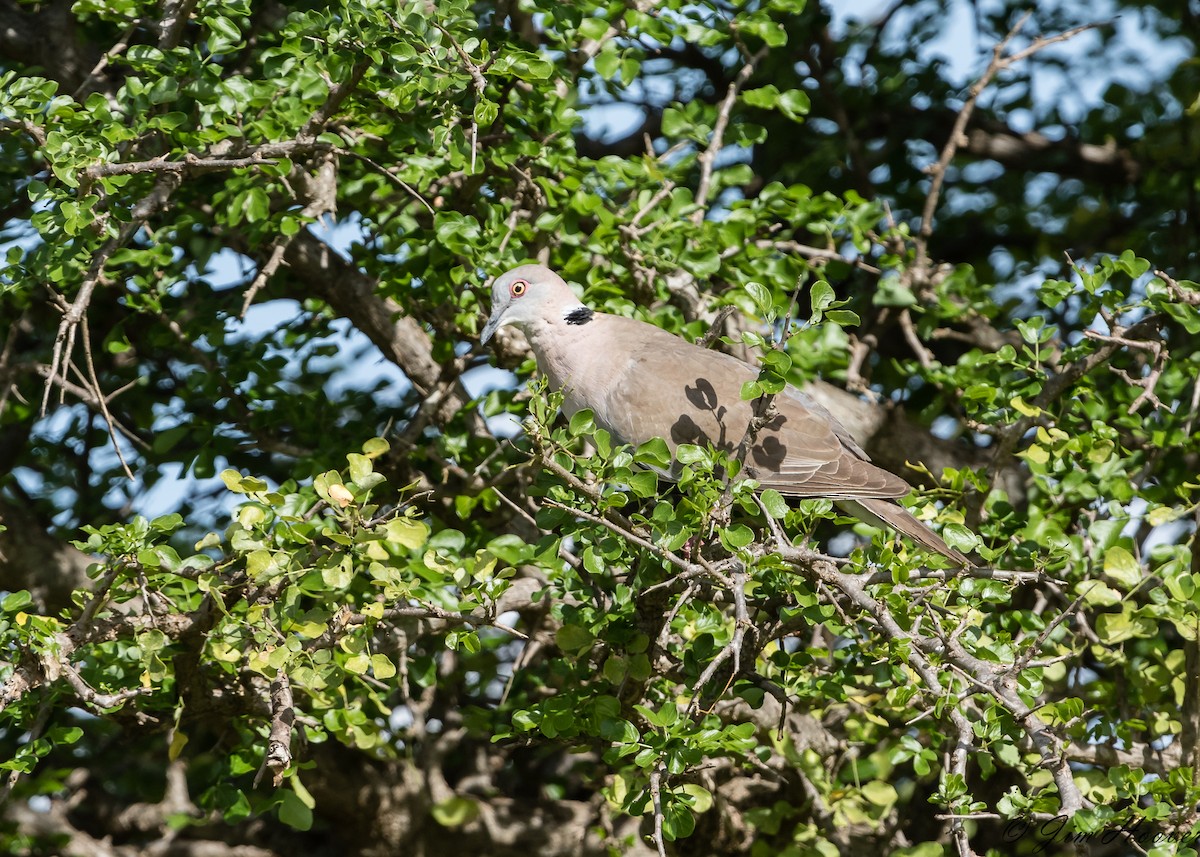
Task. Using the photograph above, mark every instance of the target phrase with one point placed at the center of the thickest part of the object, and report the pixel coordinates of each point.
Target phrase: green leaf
(15, 601)
(1024, 408)
(794, 104)
(700, 798)
(338, 576)
(237, 807)
(1037, 454)
(619, 731)
(293, 812)
(262, 564)
(455, 811)
(774, 503)
(960, 538)
(530, 66)
(654, 453)
(593, 28)
(406, 532)
(224, 27)
(674, 122)
(765, 97)
(382, 667)
(770, 31)
(1113, 628)
(678, 821)
(573, 639)
(375, 447)
(689, 453)
(256, 205)
(880, 793)
(1120, 565)
(608, 61)
(65, 734)
(761, 297)
(892, 292)
(644, 484)
(842, 317)
(668, 714)
(485, 113)
(614, 670)
(361, 468)
(820, 297)
(630, 67)
(234, 481)
(1163, 515)
(1132, 265)
(1186, 315)
(737, 537)
(582, 423)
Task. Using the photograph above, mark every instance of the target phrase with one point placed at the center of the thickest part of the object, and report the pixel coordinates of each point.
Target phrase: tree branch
(708, 157)
(278, 757)
(957, 138)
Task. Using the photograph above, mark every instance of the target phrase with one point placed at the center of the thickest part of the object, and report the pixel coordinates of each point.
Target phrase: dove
(641, 382)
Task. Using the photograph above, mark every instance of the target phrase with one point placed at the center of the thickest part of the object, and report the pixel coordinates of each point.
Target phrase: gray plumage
(642, 382)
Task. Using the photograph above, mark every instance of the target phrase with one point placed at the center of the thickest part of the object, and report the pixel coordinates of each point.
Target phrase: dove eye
(518, 288)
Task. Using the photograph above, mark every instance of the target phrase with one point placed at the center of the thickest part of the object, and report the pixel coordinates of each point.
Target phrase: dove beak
(493, 324)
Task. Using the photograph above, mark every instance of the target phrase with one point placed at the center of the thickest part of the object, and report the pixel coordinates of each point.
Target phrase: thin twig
(389, 175)
(64, 339)
(718, 324)
(190, 165)
(100, 399)
(477, 79)
(88, 397)
(590, 47)
(337, 94)
(675, 560)
(732, 649)
(683, 599)
(656, 800)
(108, 56)
(937, 172)
(659, 195)
(923, 354)
(265, 273)
(708, 157)
(510, 226)
(979, 572)
(807, 251)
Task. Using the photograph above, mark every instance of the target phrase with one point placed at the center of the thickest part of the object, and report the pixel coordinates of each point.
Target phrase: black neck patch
(579, 315)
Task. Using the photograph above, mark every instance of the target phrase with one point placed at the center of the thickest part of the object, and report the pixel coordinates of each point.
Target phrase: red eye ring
(518, 288)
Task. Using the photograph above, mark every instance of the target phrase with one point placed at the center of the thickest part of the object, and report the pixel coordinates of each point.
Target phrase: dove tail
(889, 514)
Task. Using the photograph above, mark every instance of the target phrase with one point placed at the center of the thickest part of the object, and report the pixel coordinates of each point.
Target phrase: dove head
(531, 296)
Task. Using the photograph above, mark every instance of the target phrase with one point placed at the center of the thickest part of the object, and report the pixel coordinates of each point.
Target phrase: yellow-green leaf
(1120, 565)
(382, 667)
(455, 811)
(375, 447)
(1024, 408)
(701, 798)
(406, 532)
